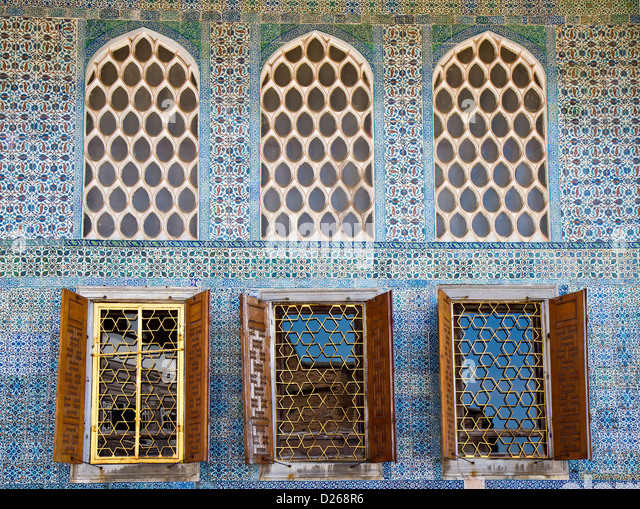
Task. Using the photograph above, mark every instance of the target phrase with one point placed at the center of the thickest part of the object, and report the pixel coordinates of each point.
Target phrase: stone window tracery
(316, 142)
(490, 145)
(141, 141)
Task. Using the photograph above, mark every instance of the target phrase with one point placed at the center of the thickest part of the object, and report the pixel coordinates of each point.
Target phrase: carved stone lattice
(317, 142)
(141, 142)
(490, 146)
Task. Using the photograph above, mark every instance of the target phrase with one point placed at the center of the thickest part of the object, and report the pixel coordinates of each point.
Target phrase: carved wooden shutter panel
(380, 387)
(447, 389)
(256, 380)
(196, 342)
(569, 376)
(69, 419)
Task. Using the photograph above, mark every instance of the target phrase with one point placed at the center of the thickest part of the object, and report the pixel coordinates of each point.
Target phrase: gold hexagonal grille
(319, 368)
(137, 390)
(500, 393)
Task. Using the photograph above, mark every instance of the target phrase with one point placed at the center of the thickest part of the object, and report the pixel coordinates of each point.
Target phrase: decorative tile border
(403, 124)
(340, 11)
(232, 132)
(409, 265)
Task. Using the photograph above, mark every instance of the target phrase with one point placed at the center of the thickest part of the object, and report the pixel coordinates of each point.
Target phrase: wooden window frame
(257, 319)
(195, 416)
(556, 466)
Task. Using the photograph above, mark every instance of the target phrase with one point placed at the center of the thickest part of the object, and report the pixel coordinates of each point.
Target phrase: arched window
(141, 141)
(316, 142)
(490, 143)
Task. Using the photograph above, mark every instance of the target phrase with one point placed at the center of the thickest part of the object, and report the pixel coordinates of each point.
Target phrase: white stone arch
(490, 143)
(316, 149)
(141, 140)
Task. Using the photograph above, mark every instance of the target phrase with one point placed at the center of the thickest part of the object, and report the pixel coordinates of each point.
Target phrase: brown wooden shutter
(447, 388)
(196, 345)
(569, 377)
(256, 380)
(72, 358)
(380, 387)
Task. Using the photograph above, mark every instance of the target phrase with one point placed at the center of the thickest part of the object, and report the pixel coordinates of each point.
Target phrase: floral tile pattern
(600, 132)
(598, 187)
(37, 83)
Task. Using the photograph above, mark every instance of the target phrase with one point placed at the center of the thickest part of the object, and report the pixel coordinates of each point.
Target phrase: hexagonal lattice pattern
(137, 396)
(141, 142)
(319, 359)
(500, 394)
(317, 142)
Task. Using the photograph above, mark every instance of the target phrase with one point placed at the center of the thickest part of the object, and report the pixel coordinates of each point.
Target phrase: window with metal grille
(513, 380)
(138, 370)
(132, 394)
(490, 143)
(316, 142)
(500, 389)
(141, 141)
(318, 381)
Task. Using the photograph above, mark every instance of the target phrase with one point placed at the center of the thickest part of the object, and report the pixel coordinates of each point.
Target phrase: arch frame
(91, 50)
(538, 44)
(370, 52)
(91, 43)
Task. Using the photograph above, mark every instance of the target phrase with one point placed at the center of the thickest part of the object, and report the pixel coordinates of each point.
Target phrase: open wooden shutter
(447, 389)
(569, 377)
(196, 346)
(69, 418)
(256, 380)
(380, 388)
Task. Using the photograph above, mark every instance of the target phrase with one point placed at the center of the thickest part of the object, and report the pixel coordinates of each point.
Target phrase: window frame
(96, 395)
(501, 468)
(538, 70)
(268, 220)
(82, 470)
(92, 65)
(314, 470)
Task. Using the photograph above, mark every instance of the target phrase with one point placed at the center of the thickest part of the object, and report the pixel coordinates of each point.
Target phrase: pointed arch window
(141, 141)
(316, 142)
(490, 143)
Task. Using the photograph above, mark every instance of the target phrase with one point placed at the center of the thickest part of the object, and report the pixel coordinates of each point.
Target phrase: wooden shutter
(380, 389)
(569, 377)
(196, 345)
(256, 380)
(447, 388)
(72, 359)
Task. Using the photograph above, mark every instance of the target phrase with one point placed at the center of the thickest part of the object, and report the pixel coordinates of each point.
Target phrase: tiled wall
(599, 123)
(30, 319)
(594, 107)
